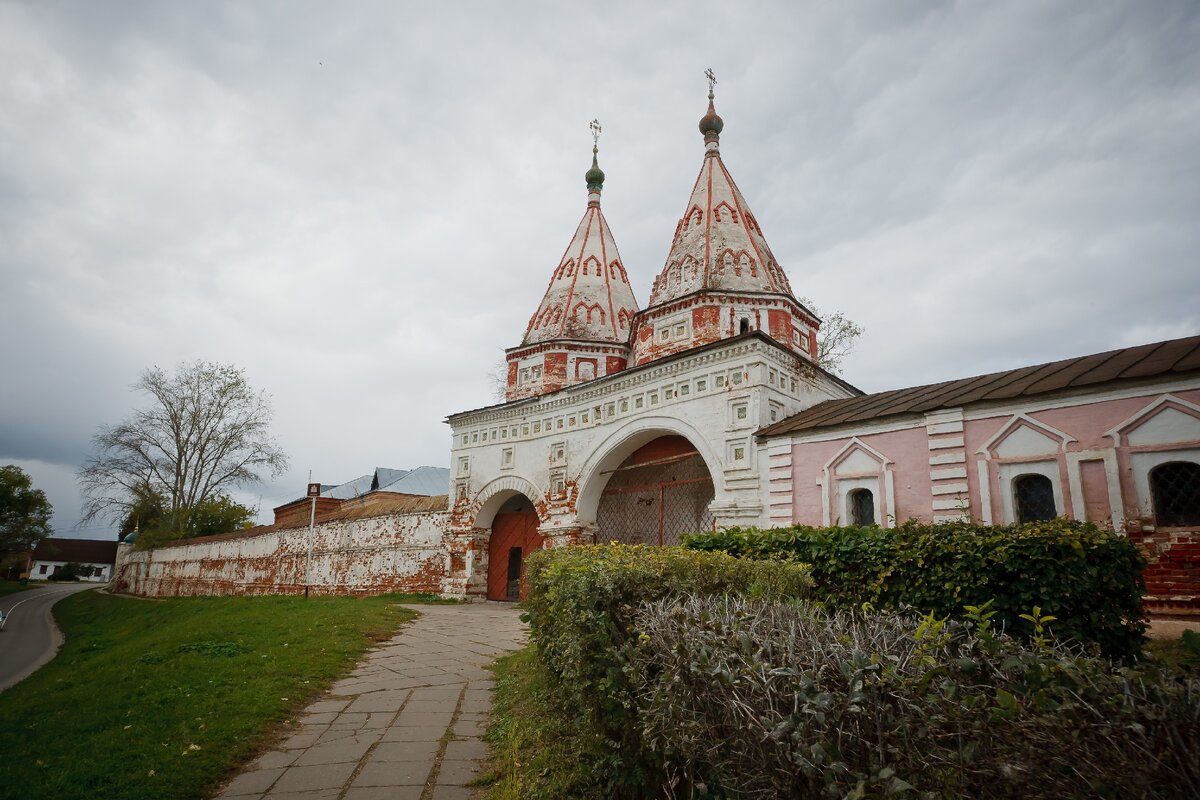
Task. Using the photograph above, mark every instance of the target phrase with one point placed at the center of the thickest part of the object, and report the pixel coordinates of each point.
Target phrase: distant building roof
(81, 551)
(1161, 359)
(422, 480)
(353, 488)
(384, 476)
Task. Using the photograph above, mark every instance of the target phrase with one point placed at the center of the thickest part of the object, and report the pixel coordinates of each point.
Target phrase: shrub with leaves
(1089, 579)
(70, 571)
(581, 607)
(741, 698)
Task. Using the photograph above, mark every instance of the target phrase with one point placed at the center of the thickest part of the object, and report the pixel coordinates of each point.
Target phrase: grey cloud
(362, 206)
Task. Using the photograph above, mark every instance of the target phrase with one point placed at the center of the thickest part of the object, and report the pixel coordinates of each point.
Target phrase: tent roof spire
(589, 297)
(718, 245)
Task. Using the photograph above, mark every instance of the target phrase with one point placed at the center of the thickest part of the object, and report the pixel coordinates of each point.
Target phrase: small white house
(94, 556)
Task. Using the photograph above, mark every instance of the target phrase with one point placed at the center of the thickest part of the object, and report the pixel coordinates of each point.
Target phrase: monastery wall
(403, 552)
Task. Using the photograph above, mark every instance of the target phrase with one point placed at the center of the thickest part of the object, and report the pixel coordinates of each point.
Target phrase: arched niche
(496, 493)
(622, 444)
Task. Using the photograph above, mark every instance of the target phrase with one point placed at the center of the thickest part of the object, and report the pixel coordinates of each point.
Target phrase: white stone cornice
(608, 387)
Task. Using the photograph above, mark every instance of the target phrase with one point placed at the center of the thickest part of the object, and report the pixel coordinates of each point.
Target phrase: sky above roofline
(362, 205)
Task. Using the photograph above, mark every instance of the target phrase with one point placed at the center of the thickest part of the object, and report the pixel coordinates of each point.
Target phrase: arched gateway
(505, 529)
(660, 492)
(514, 536)
(638, 425)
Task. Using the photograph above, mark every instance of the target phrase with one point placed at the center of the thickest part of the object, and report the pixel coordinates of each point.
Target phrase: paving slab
(441, 792)
(457, 773)
(465, 750)
(406, 751)
(323, 776)
(1172, 627)
(405, 724)
(385, 793)
(252, 783)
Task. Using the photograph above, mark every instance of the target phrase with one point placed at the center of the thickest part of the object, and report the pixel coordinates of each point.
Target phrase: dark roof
(1161, 359)
(81, 551)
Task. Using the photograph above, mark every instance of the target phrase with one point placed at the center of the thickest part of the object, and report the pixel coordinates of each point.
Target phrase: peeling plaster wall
(390, 553)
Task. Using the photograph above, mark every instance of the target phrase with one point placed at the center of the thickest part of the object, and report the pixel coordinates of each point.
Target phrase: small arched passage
(652, 487)
(514, 536)
(508, 508)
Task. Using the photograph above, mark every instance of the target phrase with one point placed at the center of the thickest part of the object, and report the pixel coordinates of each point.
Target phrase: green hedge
(581, 609)
(1090, 579)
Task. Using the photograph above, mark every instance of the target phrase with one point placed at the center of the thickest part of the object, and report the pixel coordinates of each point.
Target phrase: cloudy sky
(360, 203)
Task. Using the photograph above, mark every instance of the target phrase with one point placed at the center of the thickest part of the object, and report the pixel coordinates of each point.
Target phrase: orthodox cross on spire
(711, 124)
(595, 175)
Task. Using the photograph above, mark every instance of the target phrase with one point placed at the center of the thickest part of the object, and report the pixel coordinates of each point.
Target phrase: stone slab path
(405, 725)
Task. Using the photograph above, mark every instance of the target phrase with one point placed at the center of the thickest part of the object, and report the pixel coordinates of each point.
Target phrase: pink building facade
(1111, 439)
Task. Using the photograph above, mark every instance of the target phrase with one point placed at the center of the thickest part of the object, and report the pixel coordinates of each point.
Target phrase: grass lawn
(9, 587)
(160, 698)
(535, 752)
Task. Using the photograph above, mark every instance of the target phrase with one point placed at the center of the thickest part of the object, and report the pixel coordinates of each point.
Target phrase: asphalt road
(30, 638)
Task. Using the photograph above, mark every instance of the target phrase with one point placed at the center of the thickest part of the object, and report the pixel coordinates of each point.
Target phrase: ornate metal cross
(594, 125)
(712, 79)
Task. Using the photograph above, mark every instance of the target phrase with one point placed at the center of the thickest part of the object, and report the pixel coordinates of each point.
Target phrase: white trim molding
(835, 487)
(1142, 463)
(1149, 411)
(1046, 463)
(1019, 419)
(1112, 477)
(1010, 471)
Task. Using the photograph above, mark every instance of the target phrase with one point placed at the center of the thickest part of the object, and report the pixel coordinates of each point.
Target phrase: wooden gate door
(514, 537)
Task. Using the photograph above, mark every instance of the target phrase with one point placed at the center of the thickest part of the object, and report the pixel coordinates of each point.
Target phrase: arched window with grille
(1033, 498)
(862, 507)
(1175, 491)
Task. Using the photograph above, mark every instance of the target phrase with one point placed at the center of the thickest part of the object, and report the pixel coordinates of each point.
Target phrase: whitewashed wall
(390, 553)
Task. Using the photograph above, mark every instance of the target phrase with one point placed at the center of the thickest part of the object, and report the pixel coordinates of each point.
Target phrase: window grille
(656, 503)
(1175, 489)
(1034, 496)
(862, 507)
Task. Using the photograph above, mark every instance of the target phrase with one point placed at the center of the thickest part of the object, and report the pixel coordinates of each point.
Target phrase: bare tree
(206, 431)
(497, 378)
(836, 339)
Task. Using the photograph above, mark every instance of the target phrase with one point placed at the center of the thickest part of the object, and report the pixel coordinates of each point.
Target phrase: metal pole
(661, 510)
(312, 519)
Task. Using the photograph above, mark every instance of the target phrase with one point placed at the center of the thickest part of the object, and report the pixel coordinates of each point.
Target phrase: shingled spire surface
(721, 278)
(589, 297)
(718, 244)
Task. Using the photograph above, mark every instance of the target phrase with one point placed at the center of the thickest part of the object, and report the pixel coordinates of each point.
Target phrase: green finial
(595, 175)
